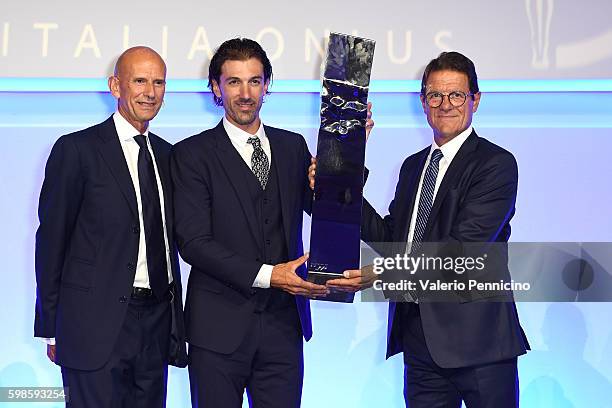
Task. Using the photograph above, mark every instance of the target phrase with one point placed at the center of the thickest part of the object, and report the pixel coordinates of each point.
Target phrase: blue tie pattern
(426, 200)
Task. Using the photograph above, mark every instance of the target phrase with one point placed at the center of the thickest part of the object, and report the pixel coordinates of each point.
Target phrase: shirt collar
(125, 130)
(450, 148)
(238, 135)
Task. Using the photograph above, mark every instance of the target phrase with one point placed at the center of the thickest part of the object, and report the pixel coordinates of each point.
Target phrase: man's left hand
(354, 280)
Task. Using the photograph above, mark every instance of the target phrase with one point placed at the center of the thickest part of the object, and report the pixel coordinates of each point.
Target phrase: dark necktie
(259, 162)
(426, 200)
(152, 217)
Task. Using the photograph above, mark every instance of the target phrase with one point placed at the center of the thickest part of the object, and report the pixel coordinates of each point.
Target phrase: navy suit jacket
(474, 203)
(87, 246)
(217, 233)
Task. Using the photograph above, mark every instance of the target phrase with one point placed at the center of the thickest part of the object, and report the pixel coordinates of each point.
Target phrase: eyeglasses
(456, 98)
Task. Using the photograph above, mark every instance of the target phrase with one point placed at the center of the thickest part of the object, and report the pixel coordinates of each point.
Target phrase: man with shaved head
(106, 265)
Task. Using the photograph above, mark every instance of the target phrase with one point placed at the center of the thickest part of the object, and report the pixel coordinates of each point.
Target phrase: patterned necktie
(152, 218)
(259, 162)
(426, 200)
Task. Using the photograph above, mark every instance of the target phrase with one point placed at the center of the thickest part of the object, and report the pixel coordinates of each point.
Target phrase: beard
(244, 117)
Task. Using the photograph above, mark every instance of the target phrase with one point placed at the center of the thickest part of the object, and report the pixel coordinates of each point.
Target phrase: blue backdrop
(561, 140)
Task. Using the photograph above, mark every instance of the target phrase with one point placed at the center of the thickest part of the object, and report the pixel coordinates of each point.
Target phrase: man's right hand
(284, 278)
(51, 352)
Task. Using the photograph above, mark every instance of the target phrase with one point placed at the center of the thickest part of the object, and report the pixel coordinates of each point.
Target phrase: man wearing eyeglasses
(460, 189)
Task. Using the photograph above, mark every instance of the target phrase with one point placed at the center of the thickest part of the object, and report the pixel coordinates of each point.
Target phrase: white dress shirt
(449, 151)
(126, 133)
(239, 138)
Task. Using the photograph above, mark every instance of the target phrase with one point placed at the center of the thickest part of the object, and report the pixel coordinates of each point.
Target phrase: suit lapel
(233, 165)
(414, 176)
(161, 159)
(460, 161)
(285, 181)
(110, 149)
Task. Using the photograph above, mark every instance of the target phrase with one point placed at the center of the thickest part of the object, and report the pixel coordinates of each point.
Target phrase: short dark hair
(452, 61)
(236, 49)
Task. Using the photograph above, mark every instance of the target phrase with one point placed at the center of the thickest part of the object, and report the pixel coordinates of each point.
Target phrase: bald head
(139, 84)
(135, 53)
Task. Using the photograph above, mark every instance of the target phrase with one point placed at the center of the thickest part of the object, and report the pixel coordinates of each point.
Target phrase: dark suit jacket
(474, 203)
(87, 246)
(217, 234)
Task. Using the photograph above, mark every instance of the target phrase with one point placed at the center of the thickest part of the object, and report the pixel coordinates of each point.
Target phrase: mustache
(246, 100)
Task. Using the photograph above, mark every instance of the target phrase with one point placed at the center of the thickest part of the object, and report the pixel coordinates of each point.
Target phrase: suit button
(123, 299)
(265, 201)
(131, 267)
(136, 230)
(266, 221)
(267, 242)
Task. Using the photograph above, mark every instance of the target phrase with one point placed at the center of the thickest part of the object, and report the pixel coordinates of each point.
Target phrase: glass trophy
(338, 194)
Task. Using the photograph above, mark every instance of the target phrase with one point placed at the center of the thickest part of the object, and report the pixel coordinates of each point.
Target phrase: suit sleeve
(59, 203)
(306, 164)
(375, 228)
(193, 226)
(378, 232)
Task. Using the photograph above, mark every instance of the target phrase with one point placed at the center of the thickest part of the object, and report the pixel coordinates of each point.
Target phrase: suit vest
(271, 235)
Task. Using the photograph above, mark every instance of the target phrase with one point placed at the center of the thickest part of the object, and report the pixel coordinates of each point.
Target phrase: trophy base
(320, 278)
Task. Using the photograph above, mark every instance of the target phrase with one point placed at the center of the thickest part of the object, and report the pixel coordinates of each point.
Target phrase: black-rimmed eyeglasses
(456, 98)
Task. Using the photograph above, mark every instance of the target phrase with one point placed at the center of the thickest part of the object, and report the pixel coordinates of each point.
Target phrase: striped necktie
(426, 200)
